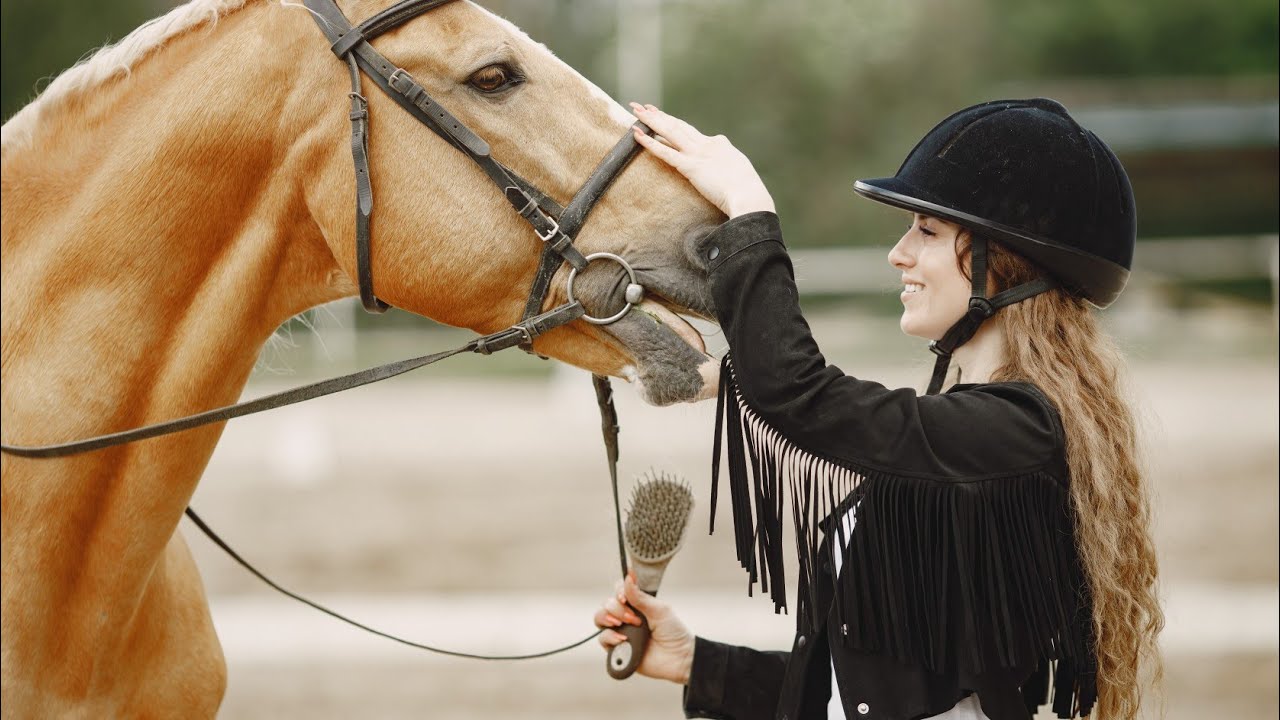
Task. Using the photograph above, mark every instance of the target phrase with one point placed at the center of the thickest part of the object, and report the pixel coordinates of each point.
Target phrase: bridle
(555, 226)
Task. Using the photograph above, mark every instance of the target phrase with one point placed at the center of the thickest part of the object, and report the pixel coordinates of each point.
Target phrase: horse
(174, 198)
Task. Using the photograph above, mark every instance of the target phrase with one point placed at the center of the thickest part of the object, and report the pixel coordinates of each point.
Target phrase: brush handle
(626, 656)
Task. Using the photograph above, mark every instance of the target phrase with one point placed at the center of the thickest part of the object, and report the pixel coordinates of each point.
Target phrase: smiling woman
(967, 555)
(935, 292)
(246, 214)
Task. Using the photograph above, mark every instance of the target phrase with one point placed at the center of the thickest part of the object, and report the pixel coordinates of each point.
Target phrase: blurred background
(440, 506)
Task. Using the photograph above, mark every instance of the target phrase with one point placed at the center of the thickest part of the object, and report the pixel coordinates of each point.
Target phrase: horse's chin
(670, 361)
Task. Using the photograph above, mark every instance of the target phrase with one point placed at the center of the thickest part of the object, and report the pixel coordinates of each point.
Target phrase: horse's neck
(153, 237)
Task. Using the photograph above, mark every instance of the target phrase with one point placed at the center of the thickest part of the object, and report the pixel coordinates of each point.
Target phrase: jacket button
(863, 708)
(712, 254)
(844, 630)
(801, 641)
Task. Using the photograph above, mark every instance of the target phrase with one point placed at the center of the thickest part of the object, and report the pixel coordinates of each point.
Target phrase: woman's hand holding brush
(670, 652)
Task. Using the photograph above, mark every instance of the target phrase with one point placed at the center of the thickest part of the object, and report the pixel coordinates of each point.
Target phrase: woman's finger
(665, 153)
(605, 619)
(679, 133)
(610, 638)
(637, 597)
(682, 127)
(618, 609)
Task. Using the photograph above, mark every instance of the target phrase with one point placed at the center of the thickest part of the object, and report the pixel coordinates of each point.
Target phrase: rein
(555, 226)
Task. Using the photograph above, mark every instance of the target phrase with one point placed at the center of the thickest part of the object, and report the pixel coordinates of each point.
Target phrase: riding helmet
(1026, 174)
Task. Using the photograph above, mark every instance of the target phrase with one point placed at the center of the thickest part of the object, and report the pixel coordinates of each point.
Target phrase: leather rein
(554, 225)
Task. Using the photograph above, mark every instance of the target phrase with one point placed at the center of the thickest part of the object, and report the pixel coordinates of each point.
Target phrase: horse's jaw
(669, 360)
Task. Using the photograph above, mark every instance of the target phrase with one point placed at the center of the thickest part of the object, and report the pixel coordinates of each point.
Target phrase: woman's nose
(898, 255)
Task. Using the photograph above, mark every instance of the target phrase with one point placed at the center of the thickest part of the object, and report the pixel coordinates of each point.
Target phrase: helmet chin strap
(981, 307)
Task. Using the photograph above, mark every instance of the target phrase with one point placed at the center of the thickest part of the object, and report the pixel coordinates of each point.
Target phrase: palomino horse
(171, 200)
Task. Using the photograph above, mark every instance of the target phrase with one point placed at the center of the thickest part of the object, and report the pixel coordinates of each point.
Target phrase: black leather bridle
(556, 227)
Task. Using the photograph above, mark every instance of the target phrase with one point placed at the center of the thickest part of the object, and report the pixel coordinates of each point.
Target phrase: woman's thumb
(639, 599)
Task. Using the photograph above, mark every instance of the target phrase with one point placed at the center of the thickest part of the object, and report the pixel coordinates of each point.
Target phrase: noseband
(554, 226)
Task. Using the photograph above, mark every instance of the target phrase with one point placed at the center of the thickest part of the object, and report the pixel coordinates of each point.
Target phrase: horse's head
(447, 245)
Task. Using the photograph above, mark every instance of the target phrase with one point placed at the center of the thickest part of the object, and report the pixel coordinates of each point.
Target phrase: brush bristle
(660, 507)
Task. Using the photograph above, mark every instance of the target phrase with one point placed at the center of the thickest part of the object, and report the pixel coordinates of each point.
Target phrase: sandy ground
(476, 514)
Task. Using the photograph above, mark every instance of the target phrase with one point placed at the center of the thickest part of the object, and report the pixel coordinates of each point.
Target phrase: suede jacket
(960, 575)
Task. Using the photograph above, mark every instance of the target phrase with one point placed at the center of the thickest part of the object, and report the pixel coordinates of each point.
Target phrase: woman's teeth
(911, 288)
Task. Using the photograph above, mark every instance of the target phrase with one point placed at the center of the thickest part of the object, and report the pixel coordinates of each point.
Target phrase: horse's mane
(115, 60)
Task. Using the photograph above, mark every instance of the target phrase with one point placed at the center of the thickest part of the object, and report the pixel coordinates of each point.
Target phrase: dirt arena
(475, 513)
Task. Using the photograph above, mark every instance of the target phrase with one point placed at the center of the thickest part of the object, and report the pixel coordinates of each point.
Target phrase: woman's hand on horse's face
(670, 653)
(713, 165)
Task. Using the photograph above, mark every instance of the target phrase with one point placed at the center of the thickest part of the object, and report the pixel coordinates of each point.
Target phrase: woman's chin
(912, 328)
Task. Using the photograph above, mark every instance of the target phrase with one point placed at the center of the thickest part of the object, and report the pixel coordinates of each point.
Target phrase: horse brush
(656, 520)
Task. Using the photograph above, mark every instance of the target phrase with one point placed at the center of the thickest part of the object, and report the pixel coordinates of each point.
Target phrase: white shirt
(966, 709)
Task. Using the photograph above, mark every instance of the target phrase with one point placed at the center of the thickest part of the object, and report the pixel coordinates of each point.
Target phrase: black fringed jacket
(961, 574)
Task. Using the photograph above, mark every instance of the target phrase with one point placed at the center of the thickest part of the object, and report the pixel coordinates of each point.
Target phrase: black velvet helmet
(1024, 173)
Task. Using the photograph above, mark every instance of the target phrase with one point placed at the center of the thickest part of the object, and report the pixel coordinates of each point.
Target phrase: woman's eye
(494, 78)
(927, 232)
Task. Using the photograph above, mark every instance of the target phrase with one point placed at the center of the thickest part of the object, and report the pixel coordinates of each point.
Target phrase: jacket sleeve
(782, 376)
(963, 558)
(728, 682)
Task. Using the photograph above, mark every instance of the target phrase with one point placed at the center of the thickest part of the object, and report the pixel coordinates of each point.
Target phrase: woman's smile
(935, 292)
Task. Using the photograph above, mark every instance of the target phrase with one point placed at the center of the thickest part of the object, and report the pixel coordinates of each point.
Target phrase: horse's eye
(494, 78)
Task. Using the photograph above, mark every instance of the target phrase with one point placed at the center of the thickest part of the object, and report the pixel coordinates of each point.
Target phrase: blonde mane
(112, 61)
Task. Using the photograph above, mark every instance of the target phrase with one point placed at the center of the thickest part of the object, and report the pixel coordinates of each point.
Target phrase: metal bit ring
(635, 291)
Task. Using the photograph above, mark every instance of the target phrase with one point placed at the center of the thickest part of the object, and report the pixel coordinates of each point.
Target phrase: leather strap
(388, 19)
(573, 216)
(364, 192)
(351, 44)
(980, 308)
(622, 153)
(609, 428)
(523, 332)
(222, 545)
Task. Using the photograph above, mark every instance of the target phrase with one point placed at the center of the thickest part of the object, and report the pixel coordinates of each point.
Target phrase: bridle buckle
(551, 232)
(398, 74)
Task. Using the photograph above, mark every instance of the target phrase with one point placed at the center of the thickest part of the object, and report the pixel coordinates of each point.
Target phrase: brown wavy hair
(1055, 343)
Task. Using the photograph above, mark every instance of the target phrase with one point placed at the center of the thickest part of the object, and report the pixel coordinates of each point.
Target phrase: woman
(973, 554)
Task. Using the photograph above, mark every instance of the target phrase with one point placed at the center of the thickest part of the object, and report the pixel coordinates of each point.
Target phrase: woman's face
(935, 293)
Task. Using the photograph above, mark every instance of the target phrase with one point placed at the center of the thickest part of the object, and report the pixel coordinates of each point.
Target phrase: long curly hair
(1054, 342)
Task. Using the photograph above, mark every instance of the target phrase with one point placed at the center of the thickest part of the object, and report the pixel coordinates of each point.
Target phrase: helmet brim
(1096, 279)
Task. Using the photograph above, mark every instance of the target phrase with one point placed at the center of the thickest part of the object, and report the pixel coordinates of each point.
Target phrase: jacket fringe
(961, 577)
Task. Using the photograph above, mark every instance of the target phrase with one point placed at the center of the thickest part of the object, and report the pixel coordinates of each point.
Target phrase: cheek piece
(981, 307)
